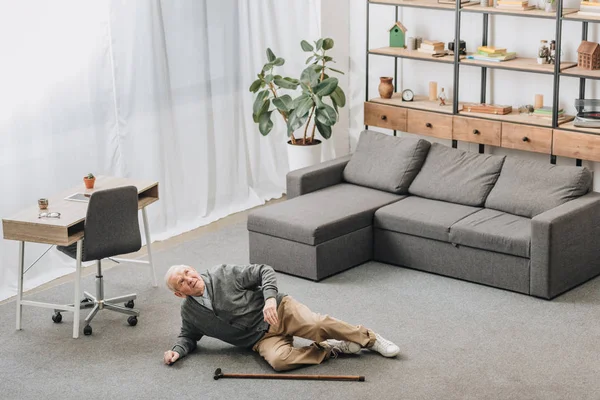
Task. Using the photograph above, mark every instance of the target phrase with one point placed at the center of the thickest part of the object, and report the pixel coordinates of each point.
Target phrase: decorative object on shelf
(539, 101)
(386, 87)
(487, 108)
(549, 5)
(591, 8)
(552, 54)
(588, 55)
(528, 108)
(588, 113)
(407, 95)
(43, 203)
(543, 52)
(442, 97)
(397, 35)
(463, 47)
(418, 41)
(412, 43)
(308, 107)
(432, 91)
(89, 180)
(514, 5)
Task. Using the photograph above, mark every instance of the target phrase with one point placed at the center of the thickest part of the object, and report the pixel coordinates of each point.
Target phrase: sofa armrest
(565, 246)
(310, 179)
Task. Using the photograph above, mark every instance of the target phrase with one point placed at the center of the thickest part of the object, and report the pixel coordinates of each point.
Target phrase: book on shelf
(429, 47)
(492, 49)
(547, 111)
(452, 1)
(432, 52)
(432, 42)
(515, 7)
(595, 8)
(495, 58)
(505, 56)
(512, 2)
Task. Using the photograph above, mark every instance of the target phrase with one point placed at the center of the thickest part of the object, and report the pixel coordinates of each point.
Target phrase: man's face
(187, 282)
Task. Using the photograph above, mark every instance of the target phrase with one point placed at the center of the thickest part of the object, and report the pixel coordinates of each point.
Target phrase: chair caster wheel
(86, 300)
(87, 331)
(57, 318)
(132, 320)
(129, 304)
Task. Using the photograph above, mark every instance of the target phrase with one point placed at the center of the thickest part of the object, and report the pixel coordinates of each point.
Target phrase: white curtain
(152, 90)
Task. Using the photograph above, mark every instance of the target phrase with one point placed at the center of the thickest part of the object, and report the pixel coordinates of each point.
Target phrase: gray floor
(458, 340)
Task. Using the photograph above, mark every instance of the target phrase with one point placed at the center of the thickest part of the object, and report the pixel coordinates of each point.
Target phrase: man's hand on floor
(171, 356)
(270, 311)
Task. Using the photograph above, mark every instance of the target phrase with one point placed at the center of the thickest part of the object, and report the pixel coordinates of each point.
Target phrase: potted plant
(89, 181)
(305, 103)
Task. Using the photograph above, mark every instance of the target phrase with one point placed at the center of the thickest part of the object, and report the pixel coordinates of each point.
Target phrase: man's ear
(179, 294)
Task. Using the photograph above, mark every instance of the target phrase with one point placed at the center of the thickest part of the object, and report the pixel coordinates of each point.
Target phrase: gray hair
(175, 269)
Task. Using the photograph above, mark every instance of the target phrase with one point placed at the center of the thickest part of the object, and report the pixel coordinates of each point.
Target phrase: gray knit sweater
(238, 294)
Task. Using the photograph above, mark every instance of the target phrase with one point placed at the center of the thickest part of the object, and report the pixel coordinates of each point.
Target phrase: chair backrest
(111, 224)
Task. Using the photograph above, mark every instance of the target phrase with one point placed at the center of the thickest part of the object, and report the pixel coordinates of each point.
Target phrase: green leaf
(285, 83)
(267, 67)
(309, 59)
(284, 103)
(319, 44)
(277, 77)
(338, 97)
(295, 121)
(326, 87)
(309, 76)
(326, 115)
(327, 58)
(324, 130)
(305, 89)
(258, 103)
(336, 70)
(265, 124)
(270, 55)
(327, 44)
(306, 46)
(279, 62)
(302, 105)
(269, 78)
(255, 86)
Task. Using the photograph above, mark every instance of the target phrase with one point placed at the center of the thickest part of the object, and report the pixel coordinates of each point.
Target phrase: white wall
(346, 18)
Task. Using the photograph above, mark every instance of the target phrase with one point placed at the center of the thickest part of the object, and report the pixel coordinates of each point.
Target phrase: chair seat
(320, 216)
(422, 217)
(494, 230)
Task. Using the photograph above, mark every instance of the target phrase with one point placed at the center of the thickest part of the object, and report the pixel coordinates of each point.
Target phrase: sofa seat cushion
(494, 230)
(422, 217)
(386, 162)
(457, 176)
(320, 216)
(529, 188)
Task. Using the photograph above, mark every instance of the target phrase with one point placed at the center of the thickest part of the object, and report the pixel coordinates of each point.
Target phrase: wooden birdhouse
(397, 35)
(588, 55)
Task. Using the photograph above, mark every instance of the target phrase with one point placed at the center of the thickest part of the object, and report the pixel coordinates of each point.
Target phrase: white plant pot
(300, 156)
(541, 60)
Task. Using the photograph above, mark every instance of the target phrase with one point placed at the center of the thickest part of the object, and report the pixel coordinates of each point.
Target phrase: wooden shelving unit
(539, 129)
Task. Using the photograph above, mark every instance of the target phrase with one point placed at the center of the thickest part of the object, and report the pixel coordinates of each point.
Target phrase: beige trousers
(295, 319)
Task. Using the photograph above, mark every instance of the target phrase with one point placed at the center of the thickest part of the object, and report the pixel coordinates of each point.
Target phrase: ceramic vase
(386, 88)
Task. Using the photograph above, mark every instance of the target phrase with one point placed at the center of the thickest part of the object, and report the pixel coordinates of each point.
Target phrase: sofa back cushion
(457, 176)
(386, 162)
(529, 188)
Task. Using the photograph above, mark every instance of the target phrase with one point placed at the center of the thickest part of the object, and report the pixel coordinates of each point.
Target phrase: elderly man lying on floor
(242, 306)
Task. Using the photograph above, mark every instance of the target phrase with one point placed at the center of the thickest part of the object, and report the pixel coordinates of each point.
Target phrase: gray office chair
(111, 229)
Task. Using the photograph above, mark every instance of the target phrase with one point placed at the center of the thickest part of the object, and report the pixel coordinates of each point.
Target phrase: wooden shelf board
(576, 71)
(519, 63)
(419, 103)
(414, 54)
(517, 118)
(569, 126)
(581, 17)
(535, 13)
(422, 4)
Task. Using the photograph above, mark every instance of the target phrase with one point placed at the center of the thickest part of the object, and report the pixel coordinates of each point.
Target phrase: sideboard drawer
(383, 116)
(529, 138)
(430, 124)
(585, 146)
(476, 130)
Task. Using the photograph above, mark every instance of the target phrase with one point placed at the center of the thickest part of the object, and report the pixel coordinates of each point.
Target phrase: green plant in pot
(307, 104)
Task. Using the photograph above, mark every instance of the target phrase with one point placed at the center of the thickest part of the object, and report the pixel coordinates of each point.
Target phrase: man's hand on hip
(270, 311)
(171, 356)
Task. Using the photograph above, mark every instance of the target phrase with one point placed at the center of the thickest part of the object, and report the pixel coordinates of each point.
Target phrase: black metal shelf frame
(458, 10)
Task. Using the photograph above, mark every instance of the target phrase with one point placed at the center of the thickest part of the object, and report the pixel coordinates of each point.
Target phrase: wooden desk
(26, 226)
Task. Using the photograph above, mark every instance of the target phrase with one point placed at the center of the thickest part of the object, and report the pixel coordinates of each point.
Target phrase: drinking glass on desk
(49, 215)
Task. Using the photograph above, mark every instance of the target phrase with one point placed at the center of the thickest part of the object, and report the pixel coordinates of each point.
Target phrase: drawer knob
(525, 139)
(428, 125)
(475, 132)
(384, 117)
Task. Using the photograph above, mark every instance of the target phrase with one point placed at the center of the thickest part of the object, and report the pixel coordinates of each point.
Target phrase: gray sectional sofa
(525, 226)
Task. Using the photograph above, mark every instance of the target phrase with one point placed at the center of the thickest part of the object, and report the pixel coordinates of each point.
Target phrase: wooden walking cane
(356, 378)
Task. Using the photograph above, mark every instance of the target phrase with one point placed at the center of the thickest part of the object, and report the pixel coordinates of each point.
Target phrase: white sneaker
(343, 346)
(384, 347)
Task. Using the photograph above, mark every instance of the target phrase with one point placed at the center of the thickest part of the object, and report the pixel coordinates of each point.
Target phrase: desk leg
(20, 283)
(77, 284)
(148, 242)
